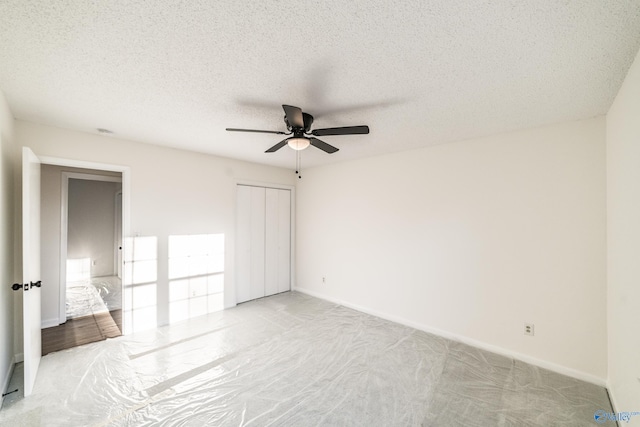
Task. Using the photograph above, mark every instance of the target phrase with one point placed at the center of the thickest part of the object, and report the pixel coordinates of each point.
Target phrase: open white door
(31, 266)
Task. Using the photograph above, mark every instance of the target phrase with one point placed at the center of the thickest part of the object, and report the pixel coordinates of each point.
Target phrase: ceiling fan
(299, 126)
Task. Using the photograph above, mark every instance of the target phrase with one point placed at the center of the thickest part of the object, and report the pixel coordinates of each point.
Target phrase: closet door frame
(292, 236)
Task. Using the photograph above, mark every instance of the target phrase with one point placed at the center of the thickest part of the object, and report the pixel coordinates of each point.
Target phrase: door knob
(26, 286)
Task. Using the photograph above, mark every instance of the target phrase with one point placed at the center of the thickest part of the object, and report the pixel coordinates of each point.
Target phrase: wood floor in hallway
(81, 330)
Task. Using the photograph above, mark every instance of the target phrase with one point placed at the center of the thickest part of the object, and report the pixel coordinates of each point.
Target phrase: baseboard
(49, 323)
(7, 379)
(612, 400)
(570, 372)
(19, 357)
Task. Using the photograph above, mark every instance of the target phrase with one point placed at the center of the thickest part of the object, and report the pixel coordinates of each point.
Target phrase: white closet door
(277, 243)
(250, 258)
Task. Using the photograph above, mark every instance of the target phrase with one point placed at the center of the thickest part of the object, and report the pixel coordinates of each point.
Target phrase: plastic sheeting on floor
(93, 296)
(110, 290)
(294, 360)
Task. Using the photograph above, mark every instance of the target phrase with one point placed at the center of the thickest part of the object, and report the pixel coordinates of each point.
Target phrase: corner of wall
(7, 379)
(623, 235)
(7, 239)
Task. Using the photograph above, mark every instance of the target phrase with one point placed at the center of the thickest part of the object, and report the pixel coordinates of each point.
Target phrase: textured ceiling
(419, 73)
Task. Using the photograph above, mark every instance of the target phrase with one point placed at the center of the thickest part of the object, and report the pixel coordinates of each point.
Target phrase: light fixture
(298, 143)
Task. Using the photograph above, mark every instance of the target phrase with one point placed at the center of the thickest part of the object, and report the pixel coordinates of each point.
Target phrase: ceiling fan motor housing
(307, 119)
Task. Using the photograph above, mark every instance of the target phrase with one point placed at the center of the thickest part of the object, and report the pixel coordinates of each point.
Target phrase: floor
(93, 309)
(95, 295)
(81, 330)
(295, 360)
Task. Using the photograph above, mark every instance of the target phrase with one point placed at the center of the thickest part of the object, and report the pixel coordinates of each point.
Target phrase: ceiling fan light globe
(298, 143)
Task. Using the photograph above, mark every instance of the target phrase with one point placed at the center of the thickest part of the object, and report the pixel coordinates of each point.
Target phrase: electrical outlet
(529, 329)
(324, 279)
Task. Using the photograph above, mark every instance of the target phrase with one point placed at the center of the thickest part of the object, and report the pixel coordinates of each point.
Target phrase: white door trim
(119, 243)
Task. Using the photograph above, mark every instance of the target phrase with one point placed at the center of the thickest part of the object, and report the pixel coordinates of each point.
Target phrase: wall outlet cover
(529, 329)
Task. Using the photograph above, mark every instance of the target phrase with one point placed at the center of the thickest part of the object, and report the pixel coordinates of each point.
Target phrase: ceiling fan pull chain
(298, 164)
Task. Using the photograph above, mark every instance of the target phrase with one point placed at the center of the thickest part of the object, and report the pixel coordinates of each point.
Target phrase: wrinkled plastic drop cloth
(294, 360)
(83, 299)
(110, 290)
(93, 296)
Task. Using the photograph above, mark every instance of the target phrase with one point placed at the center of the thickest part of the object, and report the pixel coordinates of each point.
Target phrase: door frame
(292, 225)
(64, 228)
(126, 205)
(119, 244)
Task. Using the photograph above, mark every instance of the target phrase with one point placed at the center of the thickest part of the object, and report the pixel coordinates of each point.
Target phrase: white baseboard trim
(19, 357)
(570, 372)
(612, 399)
(49, 323)
(7, 379)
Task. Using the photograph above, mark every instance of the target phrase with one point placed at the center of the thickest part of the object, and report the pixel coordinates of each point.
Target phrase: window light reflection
(78, 269)
(140, 283)
(196, 273)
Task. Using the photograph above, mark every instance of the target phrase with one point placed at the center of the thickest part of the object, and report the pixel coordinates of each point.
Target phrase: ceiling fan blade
(347, 130)
(257, 131)
(323, 145)
(278, 146)
(294, 116)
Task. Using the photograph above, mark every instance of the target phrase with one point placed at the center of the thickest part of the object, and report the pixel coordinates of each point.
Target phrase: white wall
(7, 206)
(91, 224)
(50, 179)
(623, 240)
(471, 239)
(173, 192)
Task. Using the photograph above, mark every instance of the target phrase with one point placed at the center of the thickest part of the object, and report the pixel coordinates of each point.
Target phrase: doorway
(87, 210)
(33, 263)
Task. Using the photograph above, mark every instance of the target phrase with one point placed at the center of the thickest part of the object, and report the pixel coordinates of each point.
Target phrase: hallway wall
(91, 224)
